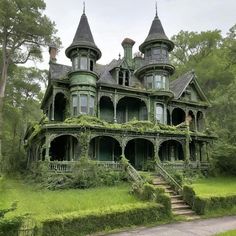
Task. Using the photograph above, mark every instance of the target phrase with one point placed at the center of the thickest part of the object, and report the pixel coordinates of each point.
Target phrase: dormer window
(124, 77)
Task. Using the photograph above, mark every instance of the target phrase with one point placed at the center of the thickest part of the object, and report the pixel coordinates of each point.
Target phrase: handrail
(166, 175)
(132, 172)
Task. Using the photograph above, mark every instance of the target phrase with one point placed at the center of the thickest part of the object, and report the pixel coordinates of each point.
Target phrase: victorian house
(136, 88)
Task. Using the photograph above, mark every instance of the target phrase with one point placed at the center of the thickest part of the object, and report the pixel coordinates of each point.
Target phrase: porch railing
(133, 173)
(67, 166)
(191, 164)
(168, 177)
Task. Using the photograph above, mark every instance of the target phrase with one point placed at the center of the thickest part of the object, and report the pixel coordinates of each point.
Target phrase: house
(140, 112)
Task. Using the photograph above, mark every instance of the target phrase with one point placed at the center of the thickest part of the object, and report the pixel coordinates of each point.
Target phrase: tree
(24, 29)
(21, 109)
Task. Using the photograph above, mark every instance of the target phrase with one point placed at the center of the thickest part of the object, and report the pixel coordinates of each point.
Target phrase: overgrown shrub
(10, 226)
(150, 192)
(203, 205)
(91, 222)
(85, 174)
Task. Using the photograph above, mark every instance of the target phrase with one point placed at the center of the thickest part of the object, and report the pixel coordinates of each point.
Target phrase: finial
(119, 56)
(156, 10)
(83, 7)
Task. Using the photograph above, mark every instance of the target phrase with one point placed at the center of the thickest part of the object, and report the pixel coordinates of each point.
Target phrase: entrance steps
(178, 205)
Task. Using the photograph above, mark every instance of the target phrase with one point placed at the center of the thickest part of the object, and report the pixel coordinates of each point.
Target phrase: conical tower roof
(83, 38)
(156, 34)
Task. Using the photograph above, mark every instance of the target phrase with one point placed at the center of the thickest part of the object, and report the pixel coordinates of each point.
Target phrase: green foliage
(116, 217)
(149, 192)
(212, 56)
(227, 233)
(10, 227)
(225, 159)
(133, 125)
(204, 205)
(85, 174)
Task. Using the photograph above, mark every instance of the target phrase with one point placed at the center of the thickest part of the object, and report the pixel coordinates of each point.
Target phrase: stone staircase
(178, 205)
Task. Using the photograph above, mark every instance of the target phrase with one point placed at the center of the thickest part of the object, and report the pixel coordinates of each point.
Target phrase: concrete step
(159, 182)
(176, 197)
(185, 212)
(176, 201)
(170, 191)
(180, 207)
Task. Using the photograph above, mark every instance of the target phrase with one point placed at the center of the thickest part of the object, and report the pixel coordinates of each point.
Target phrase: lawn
(227, 233)
(45, 203)
(215, 186)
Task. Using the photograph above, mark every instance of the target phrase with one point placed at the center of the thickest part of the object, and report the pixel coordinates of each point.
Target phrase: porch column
(53, 105)
(47, 144)
(186, 150)
(123, 145)
(203, 151)
(156, 151)
(115, 106)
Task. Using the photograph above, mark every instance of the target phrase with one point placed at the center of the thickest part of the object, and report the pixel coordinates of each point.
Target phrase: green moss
(133, 125)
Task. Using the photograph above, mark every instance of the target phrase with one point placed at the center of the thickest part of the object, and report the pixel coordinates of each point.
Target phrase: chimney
(52, 53)
(128, 44)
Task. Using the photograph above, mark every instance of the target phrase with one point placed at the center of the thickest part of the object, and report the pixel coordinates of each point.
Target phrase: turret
(84, 54)
(156, 69)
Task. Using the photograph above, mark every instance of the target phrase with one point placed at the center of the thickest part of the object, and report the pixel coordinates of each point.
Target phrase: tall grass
(215, 186)
(45, 203)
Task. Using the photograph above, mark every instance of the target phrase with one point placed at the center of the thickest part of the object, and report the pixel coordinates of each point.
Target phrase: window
(159, 113)
(74, 104)
(157, 81)
(83, 103)
(91, 105)
(75, 63)
(126, 78)
(91, 65)
(149, 81)
(121, 77)
(83, 63)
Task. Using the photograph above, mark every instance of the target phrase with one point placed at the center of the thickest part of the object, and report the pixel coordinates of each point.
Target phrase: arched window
(160, 113)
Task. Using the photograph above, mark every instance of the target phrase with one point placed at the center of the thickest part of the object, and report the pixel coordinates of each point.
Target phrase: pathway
(191, 228)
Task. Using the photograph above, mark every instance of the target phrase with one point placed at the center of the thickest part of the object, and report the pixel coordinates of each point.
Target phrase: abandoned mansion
(129, 107)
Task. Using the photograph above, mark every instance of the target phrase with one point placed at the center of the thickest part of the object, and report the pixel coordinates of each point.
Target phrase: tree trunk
(2, 95)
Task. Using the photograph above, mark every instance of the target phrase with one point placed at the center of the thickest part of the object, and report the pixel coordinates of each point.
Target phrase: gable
(192, 93)
(187, 88)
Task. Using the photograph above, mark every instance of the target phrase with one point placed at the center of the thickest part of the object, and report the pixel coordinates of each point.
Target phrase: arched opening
(171, 150)
(191, 119)
(59, 107)
(200, 121)
(129, 108)
(168, 117)
(138, 152)
(64, 148)
(50, 113)
(106, 109)
(178, 116)
(104, 148)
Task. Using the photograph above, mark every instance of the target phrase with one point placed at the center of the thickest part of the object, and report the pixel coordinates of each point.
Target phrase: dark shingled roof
(179, 85)
(59, 71)
(83, 37)
(156, 33)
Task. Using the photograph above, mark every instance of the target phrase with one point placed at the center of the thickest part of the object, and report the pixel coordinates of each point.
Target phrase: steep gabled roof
(179, 85)
(58, 71)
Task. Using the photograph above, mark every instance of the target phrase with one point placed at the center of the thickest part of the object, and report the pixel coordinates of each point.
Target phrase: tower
(156, 69)
(83, 54)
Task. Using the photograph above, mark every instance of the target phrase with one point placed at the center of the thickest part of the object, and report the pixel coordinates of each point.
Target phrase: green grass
(227, 233)
(45, 203)
(215, 186)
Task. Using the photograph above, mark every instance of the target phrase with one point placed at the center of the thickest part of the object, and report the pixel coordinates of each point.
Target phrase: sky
(113, 20)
